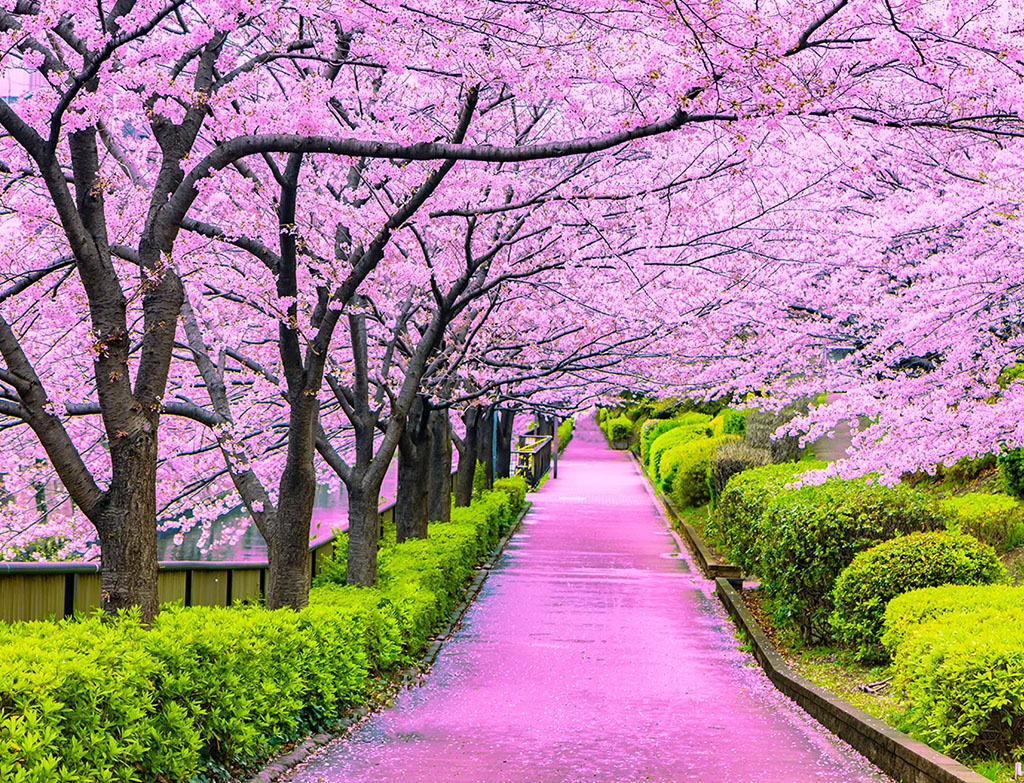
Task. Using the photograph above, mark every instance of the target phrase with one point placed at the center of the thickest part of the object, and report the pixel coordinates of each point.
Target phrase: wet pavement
(594, 652)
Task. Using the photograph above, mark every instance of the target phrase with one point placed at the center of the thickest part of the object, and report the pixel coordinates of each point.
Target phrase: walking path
(594, 652)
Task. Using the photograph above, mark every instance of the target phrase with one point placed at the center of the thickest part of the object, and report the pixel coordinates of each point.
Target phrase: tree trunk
(363, 535)
(484, 444)
(288, 555)
(468, 451)
(439, 482)
(126, 524)
(503, 450)
(414, 451)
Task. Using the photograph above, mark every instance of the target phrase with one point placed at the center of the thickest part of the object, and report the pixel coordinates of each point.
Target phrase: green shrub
(811, 534)
(735, 527)
(997, 520)
(515, 488)
(879, 574)
(730, 458)
(963, 678)
(669, 440)
(208, 689)
(734, 422)
(1011, 466)
(654, 428)
(565, 430)
(687, 480)
(908, 611)
(619, 428)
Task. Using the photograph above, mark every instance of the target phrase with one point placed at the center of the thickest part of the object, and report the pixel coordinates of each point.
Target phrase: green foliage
(879, 574)
(479, 479)
(676, 436)
(654, 428)
(998, 520)
(1011, 465)
(734, 422)
(686, 474)
(514, 487)
(207, 689)
(619, 428)
(809, 535)
(735, 526)
(963, 677)
(908, 611)
(732, 457)
(565, 430)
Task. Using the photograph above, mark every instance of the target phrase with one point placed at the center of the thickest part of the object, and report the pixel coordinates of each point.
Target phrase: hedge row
(881, 573)
(958, 660)
(996, 519)
(798, 540)
(206, 689)
(565, 431)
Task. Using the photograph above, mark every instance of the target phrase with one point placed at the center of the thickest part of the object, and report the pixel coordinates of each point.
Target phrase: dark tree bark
(363, 536)
(484, 445)
(468, 448)
(414, 452)
(503, 445)
(439, 482)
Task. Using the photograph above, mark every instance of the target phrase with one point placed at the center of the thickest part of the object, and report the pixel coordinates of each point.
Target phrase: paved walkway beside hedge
(593, 653)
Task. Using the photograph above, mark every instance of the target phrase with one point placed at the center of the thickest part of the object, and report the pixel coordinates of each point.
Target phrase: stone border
(892, 751)
(707, 560)
(303, 750)
(895, 753)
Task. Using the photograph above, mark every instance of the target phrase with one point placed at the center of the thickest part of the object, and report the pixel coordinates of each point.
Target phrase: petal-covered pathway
(594, 652)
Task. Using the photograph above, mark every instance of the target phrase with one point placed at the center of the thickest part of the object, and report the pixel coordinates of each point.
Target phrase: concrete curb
(285, 763)
(707, 561)
(892, 751)
(895, 753)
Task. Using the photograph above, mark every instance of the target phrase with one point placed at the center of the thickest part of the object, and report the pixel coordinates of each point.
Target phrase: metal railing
(533, 457)
(37, 591)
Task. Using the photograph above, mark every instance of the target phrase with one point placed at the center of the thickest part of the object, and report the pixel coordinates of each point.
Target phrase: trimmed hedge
(963, 677)
(668, 441)
(735, 527)
(811, 534)
(997, 520)
(908, 611)
(565, 431)
(652, 429)
(618, 428)
(207, 689)
(687, 478)
(879, 574)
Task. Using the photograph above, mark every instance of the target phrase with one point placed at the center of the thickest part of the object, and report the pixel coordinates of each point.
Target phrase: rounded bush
(652, 429)
(674, 437)
(735, 527)
(687, 483)
(811, 534)
(906, 612)
(962, 676)
(879, 574)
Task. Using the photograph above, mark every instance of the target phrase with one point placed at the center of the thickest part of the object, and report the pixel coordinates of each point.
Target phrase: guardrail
(533, 457)
(38, 591)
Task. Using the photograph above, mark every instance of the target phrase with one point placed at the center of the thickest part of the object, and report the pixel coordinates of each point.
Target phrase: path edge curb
(278, 766)
(895, 753)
